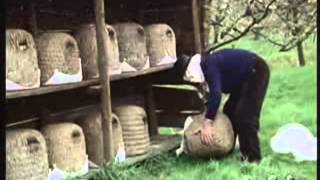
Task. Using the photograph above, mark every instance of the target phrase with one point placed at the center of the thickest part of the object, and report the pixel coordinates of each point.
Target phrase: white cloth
(126, 67)
(62, 78)
(194, 72)
(167, 60)
(58, 174)
(12, 86)
(296, 139)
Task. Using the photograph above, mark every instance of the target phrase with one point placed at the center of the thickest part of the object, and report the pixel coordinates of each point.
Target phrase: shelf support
(152, 117)
(103, 61)
(196, 26)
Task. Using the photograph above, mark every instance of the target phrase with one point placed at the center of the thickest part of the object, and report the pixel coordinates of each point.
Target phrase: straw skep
(57, 51)
(21, 58)
(134, 129)
(161, 42)
(66, 146)
(223, 137)
(132, 44)
(92, 129)
(87, 41)
(26, 155)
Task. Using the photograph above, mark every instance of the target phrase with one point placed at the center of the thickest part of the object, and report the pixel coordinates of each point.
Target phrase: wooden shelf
(86, 83)
(159, 144)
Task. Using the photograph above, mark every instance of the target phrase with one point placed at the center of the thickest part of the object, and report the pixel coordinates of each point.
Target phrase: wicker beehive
(21, 59)
(57, 51)
(161, 43)
(66, 146)
(223, 137)
(132, 45)
(26, 155)
(134, 129)
(87, 41)
(92, 129)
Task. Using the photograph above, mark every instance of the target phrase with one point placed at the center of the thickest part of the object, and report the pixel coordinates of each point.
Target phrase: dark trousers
(243, 109)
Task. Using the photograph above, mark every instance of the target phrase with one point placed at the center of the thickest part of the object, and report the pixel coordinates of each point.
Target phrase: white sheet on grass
(296, 139)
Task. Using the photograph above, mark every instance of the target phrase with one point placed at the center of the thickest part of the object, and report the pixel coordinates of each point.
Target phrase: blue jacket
(225, 70)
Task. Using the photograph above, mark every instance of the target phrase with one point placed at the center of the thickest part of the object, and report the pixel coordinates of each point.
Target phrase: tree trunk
(300, 54)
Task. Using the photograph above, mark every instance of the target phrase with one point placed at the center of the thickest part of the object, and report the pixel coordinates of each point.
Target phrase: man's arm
(214, 83)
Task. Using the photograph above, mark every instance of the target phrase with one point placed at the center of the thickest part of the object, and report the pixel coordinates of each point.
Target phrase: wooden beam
(103, 61)
(196, 26)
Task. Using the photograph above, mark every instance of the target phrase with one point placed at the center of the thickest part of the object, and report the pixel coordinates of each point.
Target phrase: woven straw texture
(132, 44)
(26, 155)
(57, 51)
(66, 146)
(223, 137)
(134, 129)
(161, 42)
(92, 129)
(87, 41)
(21, 58)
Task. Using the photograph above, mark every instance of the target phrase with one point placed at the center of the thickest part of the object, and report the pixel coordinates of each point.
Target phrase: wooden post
(205, 23)
(33, 19)
(103, 59)
(152, 118)
(196, 26)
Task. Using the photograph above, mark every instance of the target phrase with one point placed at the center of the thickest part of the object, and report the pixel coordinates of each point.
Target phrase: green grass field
(291, 98)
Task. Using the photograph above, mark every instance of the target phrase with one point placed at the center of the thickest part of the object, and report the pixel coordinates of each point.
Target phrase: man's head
(189, 68)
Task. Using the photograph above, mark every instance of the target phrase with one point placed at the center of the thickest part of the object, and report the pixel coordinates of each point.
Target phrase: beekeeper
(241, 74)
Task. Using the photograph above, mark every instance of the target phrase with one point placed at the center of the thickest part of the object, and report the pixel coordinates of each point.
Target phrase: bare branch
(301, 39)
(254, 22)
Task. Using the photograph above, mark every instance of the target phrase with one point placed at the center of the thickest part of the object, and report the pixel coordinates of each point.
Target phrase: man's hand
(206, 132)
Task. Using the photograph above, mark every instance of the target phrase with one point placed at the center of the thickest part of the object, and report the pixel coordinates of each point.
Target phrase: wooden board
(86, 83)
(159, 144)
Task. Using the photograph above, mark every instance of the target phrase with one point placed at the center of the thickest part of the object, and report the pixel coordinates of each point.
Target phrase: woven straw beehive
(21, 58)
(223, 137)
(134, 129)
(26, 155)
(161, 42)
(87, 41)
(57, 51)
(92, 129)
(132, 44)
(66, 146)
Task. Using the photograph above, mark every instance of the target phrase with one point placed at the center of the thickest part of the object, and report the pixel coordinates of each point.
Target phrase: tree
(285, 23)
(294, 21)
(232, 20)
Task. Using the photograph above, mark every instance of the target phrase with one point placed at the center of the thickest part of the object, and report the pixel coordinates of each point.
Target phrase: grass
(291, 97)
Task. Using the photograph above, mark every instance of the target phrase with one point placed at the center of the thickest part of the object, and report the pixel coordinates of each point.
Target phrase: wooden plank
(49, 89)
(64, 87)
(143, 72)
(103, 61)
(196, 26)
(159, 144)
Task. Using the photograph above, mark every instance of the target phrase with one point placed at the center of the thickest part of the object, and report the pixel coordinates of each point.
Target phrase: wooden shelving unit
(28, 106)
(86, 83)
